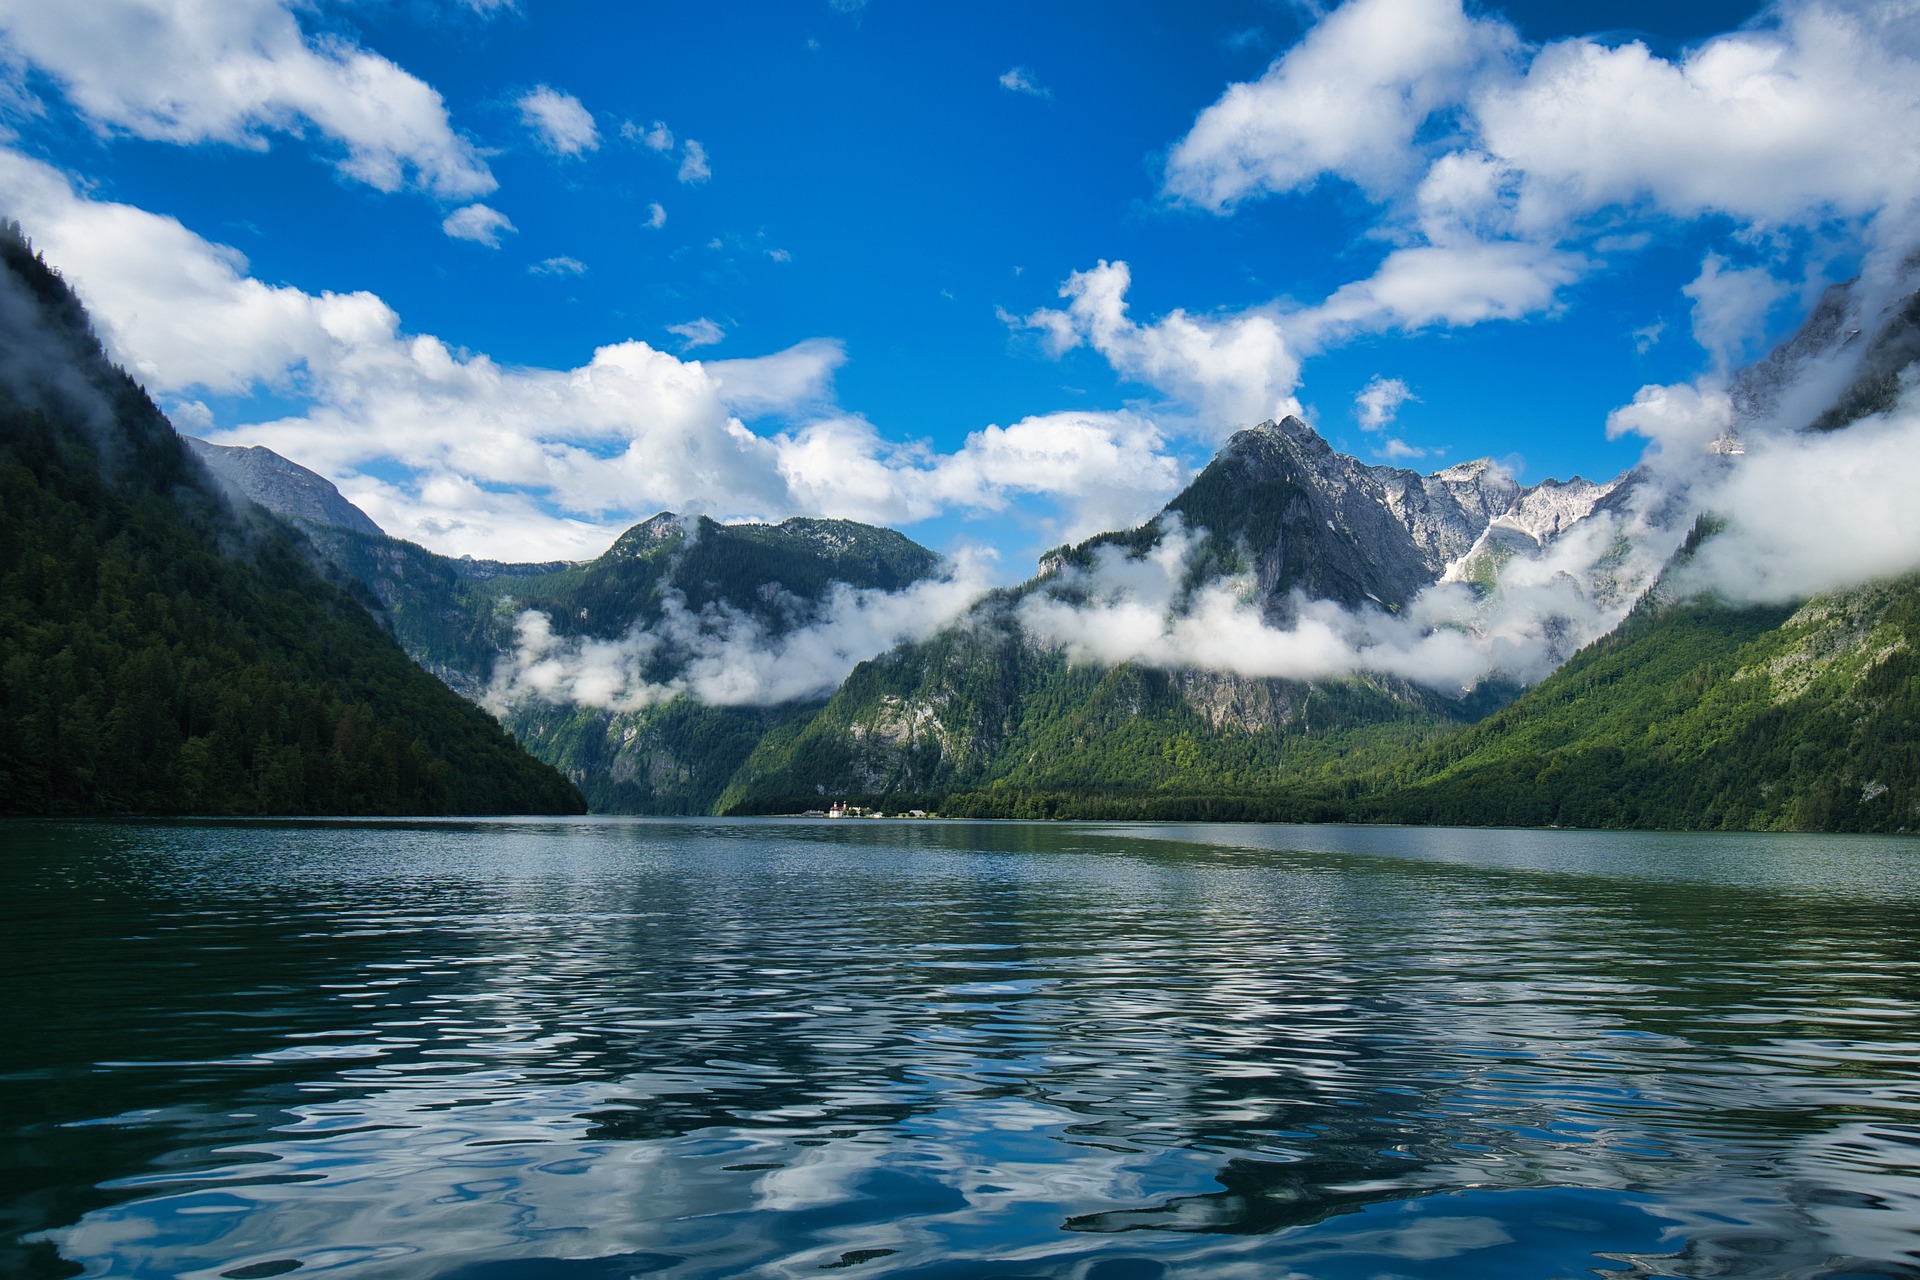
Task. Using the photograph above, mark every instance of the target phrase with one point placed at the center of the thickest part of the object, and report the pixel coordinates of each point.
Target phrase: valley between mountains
(1297, 635)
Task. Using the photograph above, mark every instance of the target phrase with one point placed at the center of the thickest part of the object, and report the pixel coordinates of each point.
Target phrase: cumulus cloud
(1800, 118)
(723, 656)
(1502, 173)
(656, 216)
(1377, 406)
(1234, 370)
(693, 163)
(1730, 306)
(560, 122)
(1804, 119)
(236, 71)
(1809, 513)
(1347, 100)
(463, 454)
(1242, 367)
(1022, 80)
(478, 223)
(1456, 284)
(1680, 421)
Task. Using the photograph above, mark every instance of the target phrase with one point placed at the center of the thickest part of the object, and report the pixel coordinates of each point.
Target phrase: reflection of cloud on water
(771, 1061)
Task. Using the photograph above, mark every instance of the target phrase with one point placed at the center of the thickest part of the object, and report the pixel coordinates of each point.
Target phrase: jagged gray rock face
(282, 487)
(1325, 524)
(1535, 518)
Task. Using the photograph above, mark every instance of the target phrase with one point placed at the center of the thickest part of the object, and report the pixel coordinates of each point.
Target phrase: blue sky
(841, 232)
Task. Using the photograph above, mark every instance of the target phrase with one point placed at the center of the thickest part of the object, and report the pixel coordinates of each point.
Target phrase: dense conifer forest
(162, 652)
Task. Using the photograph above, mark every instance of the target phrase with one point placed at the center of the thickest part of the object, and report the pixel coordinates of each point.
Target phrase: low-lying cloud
(724, 656)
(1450, 637)
(1795, 513)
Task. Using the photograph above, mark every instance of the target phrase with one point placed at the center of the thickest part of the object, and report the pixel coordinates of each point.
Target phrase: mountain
(995, 702)
(166, 651)
(1692, 713)
(285, 488)
(643, 674)
(668, 593)
(1699, 715)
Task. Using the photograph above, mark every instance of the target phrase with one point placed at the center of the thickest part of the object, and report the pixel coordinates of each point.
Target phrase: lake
(600, 1048)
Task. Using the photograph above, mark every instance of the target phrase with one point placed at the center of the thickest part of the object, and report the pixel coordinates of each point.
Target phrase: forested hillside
(164, 652)
(674, 754)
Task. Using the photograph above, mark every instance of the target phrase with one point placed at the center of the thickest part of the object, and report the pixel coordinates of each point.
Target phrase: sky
(517, 275)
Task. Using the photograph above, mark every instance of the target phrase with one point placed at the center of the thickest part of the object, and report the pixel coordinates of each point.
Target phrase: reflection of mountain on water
(510, 1053)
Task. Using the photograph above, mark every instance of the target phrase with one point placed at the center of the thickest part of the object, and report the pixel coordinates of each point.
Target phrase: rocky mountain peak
(281, 486)
(646, 537)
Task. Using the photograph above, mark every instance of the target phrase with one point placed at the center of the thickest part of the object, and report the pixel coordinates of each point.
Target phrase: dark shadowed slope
(164, 652)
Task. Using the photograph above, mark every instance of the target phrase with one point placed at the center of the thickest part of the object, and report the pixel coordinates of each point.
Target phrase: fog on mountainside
(1806, 465)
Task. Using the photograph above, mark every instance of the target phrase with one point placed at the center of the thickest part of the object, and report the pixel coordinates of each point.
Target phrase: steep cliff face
(1281, 503)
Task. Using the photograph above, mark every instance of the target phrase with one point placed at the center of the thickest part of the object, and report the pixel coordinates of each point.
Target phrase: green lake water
(596, 1049)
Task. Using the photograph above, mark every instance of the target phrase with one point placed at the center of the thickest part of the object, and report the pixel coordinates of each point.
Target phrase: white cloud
(478, 223)
(1809, 513)
(234, 71)
(1501, 174)
(560, 266)
(723, 656)
(1378, 403)
(798, 378)
(1234, 370)
(559, 120)
(1787, 124)
(1730, 307)
(1112, 470)
(1022, 80)
(1795, 120)
(1348, 100)
(1680, 420)
(1449, 637)
(656, 216)
(697, 333)
(654, 137)
(1457, 284)
(693, 163)
(469, 456)
(1240, 368)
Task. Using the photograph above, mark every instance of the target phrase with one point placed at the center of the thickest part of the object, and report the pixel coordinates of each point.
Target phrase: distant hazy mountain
(657, 602)
(280, 486)
(162, 651)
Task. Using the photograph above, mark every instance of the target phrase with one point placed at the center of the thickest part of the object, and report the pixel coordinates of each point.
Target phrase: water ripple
(602, 1049)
